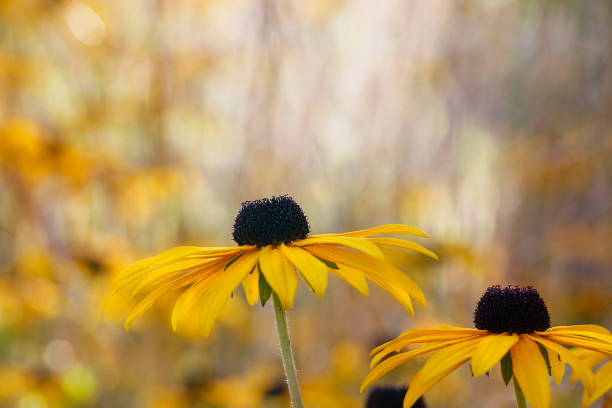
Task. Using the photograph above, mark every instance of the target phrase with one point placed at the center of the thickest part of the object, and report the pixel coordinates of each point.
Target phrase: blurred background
(128, 127)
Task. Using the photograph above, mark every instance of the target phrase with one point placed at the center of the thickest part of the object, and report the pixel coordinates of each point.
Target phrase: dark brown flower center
(512, 309)
(270, 221)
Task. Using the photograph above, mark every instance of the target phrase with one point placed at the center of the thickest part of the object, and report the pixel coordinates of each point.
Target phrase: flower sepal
(265, 291)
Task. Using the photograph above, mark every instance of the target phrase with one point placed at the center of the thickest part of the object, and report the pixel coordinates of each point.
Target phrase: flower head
(513, 327)
(270, 221)
(390, 397)
(274, 249)
(511, 310)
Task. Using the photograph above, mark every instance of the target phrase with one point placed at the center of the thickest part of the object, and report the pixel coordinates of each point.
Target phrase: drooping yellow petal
(189, 298)
(382, 229)
(588, 357)
(435, 365)
(531, 372)
(383, 274)
(397, 345)
(603, 379)
(400, 243)
(414, 338)
(143, 266)
(280, 274)
(580, 369)
(557, 366)
(173, 271)
(394, 361)
(250, 284)
(416, 389)
(580, 327)
(360, 244)
(578, 341)
(440, 331)
(604, 338)
(353, 277)
(221, 288)
(313, 270)
(155, 294)
(490, 351)
(438, 366)
(146, 266)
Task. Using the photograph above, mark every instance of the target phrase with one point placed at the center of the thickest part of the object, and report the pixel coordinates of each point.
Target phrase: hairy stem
(287, 354)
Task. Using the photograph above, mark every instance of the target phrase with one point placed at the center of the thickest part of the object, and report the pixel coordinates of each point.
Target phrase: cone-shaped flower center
(270, 221)
(390, 396)
(512, 309)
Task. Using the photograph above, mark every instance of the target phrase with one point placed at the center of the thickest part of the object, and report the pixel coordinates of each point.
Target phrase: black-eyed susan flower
(273, 240)
(512, 327)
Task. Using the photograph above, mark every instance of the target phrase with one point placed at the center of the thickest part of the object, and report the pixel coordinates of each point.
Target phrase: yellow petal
(590, 358)
(603, 379)
(441, 330)
(221, 287)
(438, 366)
(400, 243)
(424, 336)
(604, 338)
(354, 277)
(531, 372)
(397, 345)
(557, 366)
(280, 274)
(155, 294)
(189, 298)
(250, 284)
(383, 274)
(490, 351)
(313, 270)
(145, 266)
(582, 327)
(360, 244)
(383, 229)
(580, 369)
(172, 271)
(577, 341)
(394, 361)
(416, 389)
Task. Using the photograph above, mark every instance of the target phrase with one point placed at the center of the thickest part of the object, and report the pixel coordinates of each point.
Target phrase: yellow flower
(273, 240)
(512, 326)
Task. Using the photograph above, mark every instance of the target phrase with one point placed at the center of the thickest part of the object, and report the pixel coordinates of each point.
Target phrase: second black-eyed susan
(512, 327)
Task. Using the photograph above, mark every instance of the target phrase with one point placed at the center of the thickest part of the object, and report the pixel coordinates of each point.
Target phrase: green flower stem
(520, 398)
(287, 354)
